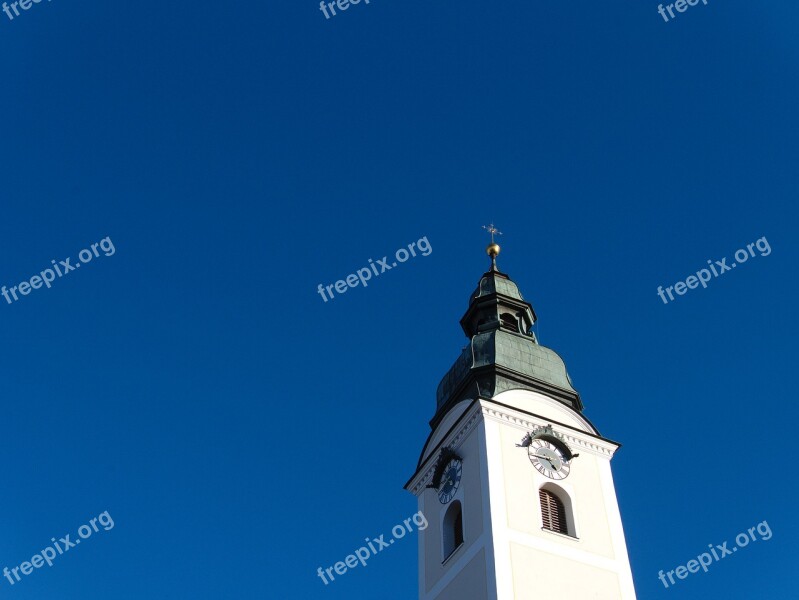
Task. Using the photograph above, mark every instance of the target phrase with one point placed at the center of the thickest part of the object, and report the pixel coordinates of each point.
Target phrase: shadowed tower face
(514, 480)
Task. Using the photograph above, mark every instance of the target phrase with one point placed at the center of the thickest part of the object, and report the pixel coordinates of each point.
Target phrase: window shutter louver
(553, 513)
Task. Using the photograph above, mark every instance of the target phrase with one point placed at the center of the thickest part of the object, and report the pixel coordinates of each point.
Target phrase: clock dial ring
(450, 480)
(548, 459)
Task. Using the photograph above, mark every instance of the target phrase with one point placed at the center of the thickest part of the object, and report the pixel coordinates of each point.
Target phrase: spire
(493, 248)
(497, 302)
(503, 352)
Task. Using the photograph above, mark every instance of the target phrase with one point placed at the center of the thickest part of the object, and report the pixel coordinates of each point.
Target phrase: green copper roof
(526, 362)
(491, 284)
(530, 358)
(503, 353)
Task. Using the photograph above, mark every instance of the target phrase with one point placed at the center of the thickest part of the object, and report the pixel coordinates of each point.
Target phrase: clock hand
(544, 456)
(550, 460)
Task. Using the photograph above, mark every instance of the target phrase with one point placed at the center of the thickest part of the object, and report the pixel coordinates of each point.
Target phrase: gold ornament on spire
(493, 248)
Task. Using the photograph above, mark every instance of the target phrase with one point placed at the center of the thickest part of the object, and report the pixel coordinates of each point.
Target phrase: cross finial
(492, 230)
(493, 247)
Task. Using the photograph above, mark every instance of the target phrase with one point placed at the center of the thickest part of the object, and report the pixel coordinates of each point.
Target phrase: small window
(553, 513)
(453, 529)
(509, 321)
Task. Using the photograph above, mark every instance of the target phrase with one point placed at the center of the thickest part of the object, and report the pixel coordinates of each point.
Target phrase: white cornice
(526, 422)
(577, 440)
(454, 439)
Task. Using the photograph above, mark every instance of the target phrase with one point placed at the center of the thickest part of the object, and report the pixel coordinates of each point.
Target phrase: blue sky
(242, 432)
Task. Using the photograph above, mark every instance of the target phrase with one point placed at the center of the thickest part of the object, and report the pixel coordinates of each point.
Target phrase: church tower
(514, 480)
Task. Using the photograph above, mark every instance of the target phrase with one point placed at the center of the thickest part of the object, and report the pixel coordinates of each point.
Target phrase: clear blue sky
(242, 432)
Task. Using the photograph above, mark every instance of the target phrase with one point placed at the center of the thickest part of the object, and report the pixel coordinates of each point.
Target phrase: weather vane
(492, 230)
(493, 248)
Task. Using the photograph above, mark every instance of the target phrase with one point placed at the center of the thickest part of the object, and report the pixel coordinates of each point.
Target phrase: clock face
(548, 459)
(450, 480)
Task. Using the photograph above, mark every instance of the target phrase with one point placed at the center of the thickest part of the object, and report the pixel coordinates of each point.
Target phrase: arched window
(453, 528)
(553, 512)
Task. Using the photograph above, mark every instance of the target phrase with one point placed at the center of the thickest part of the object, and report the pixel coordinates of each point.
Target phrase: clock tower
(514, 480)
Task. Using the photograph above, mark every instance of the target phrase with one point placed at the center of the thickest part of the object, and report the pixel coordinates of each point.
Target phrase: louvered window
(509, 321)
(553, 513)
